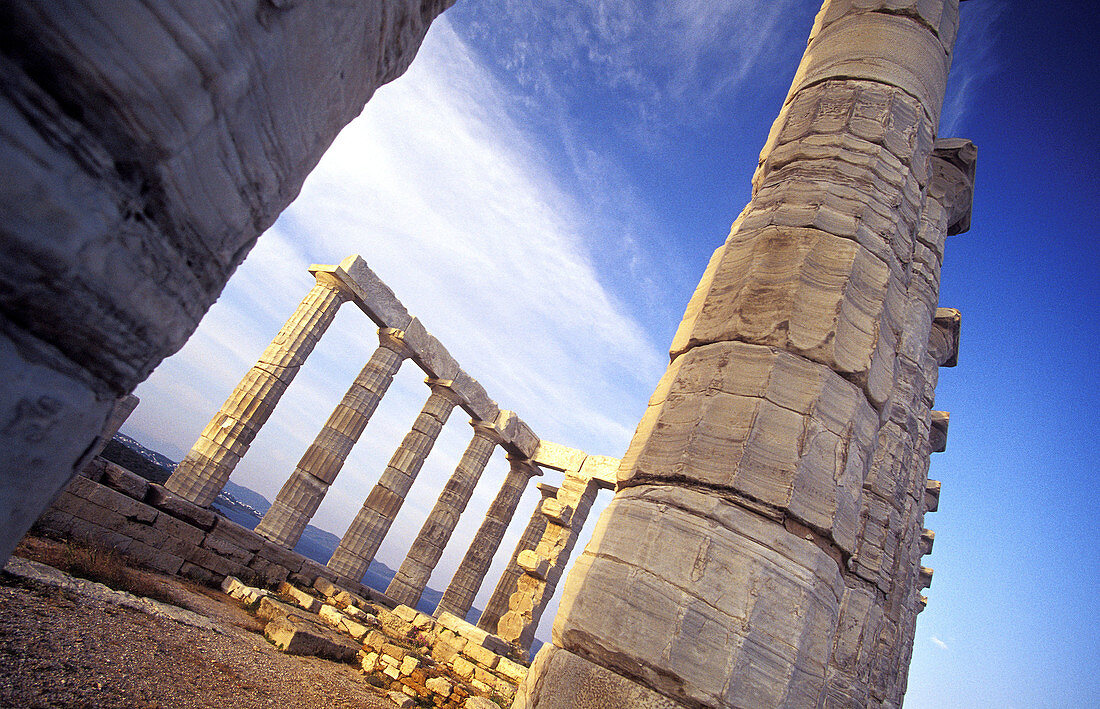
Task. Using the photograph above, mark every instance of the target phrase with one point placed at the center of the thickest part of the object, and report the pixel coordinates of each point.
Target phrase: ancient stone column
(409, 581)
(542, 567)
(362, 539)
(716, 575)
(466, 582)
(299, 498)
(498, 602)
(203, 472)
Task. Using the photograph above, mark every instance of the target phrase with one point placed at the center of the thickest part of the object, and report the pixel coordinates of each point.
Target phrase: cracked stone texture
(303, 492)
(543, 566)
(789, 435)
(203, 472)
(366, 532)
(145, 145)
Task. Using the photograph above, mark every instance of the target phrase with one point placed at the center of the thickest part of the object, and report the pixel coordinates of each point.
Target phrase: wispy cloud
(974, 61)
(938, 643)
(448, 199)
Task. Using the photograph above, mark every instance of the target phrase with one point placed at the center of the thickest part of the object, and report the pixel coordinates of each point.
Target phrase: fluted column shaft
(459, 596)
(203, 472)
(303, 492)
(498, 602)
(409, 581)
(366, 532)
(565, 515)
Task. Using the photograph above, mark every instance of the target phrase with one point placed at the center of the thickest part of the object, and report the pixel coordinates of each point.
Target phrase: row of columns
(203, 473)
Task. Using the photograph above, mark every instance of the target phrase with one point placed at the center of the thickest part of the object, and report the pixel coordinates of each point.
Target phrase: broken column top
(943, 341)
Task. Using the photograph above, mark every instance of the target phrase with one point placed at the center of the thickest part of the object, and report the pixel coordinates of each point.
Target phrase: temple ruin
(764, 544)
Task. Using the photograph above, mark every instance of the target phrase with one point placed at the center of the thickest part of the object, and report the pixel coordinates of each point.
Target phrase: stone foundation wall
(111, 507)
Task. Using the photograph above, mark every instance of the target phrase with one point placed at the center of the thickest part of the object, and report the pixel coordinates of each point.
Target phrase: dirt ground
(64, 649)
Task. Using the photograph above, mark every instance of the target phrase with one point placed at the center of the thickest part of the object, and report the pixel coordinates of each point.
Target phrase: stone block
(533, 564)
(473, 398)
(603, 468)
(325, 587)
(154, 558)
(173, 504)
(405, 613)
(561, 680)
(290, 560)
(511, 671)
(557, 511)
(296, 635)
(96, 535)
(409, 664)
(199, 574)
(369, 292)
(482, 656)
(369, 662)
(237, 535)
(463, 668)
(226, 549)
(353, 628)
(395, 652)
(121, 479)
(292, 594)
(184, 534)
(440, 686)
(402, 700)
(119, 502)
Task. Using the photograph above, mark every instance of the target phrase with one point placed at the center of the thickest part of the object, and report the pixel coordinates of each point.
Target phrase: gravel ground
(62, 648)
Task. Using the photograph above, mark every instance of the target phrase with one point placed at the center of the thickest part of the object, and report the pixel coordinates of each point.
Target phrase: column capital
(943, 340)
(519, 464)
(546, 490)
(487, 430)
(394, 340)
(954, 161)
(442, 388)
(328, 280)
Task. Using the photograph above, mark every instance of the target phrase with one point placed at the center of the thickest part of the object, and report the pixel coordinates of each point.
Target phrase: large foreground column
(362, 539)
(302, 494)
(498, 602)
(134, 184)
(542, 567)
(716, 577)
(466, 582)
(206, 468)
(409, 581)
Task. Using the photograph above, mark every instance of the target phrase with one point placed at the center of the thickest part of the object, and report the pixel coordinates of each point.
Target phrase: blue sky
(543, 189)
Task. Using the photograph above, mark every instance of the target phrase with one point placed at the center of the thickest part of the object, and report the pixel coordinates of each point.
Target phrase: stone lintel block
(883, 48)
(124, 481)
(473, 398)
(533, 564)
(559, 457)
(559, 679)
(180, 508)
(282, 556)
(937, 434)
(241, 536)
(516, 436)
(601, 468)
(225, 548)
(924, 577)
(113, 500)
(366, 290)
(695, 625)
(429, 353)
(943, 341)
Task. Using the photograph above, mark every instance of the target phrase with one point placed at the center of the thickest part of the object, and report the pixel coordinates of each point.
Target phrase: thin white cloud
(938, 643)
(974, 61)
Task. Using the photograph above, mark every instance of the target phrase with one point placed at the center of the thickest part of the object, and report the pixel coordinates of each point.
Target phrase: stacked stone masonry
(764, 545)
(444, 661)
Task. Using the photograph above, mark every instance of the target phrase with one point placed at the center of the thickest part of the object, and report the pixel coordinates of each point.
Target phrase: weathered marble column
(203, 472)
(459, 596)
(362, 539)
(409, 581)
(716, 576)
(542, 567)
(299, 498)
(498, 602)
